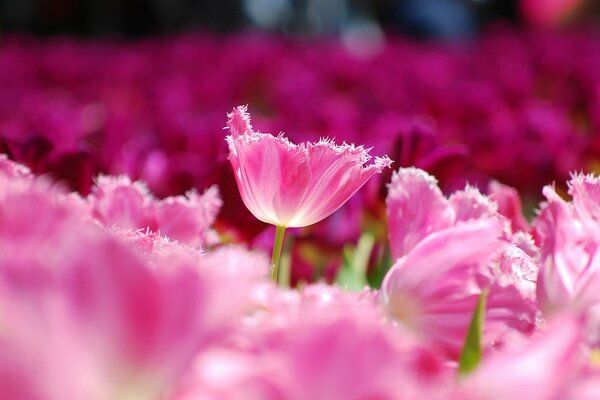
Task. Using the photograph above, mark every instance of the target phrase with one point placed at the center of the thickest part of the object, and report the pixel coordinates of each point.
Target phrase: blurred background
(422, 18)
(472, 91)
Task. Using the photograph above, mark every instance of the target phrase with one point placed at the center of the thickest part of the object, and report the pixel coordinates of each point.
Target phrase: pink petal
(563, 253)
(585, 190)
(294, 185)
(118, 201)
(433, 290)
(416, 208)
(471, 204)
(509, 205)
(538, 371)
(188, 219)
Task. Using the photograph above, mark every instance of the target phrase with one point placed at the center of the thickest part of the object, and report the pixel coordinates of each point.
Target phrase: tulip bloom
(294, 185)
(447, 251)
(569, 238)
(291, 185)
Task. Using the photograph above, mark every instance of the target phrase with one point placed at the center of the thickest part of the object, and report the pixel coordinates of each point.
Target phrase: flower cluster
(520, 107)
(136, 299)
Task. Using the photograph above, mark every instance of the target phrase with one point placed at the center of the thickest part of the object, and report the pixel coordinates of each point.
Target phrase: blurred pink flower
(447, 251)
(124, 312)
(298, 344)
(417, 208)
(119, 327)
(433, 290)
(539, 370)
(548, 13)
(570, 247)
(116, 201)
(294, 185)
(509, 205)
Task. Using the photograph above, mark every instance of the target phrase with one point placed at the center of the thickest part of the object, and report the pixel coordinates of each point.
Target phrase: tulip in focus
(291, 185)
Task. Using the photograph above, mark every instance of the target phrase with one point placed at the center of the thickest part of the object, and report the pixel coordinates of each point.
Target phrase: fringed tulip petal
(416, 208)
(434, 289)
(291, 185)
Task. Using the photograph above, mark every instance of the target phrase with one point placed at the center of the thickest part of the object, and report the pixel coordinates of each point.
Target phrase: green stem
(277, 246)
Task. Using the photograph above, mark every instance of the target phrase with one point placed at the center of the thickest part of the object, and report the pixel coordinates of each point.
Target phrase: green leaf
(353, 273)
(472, 350)
(383, 263)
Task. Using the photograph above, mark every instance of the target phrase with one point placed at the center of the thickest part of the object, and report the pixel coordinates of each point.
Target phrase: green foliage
(353, 273)
(472, 350)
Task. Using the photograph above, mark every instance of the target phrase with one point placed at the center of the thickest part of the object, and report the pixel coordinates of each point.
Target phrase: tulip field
(202, 217)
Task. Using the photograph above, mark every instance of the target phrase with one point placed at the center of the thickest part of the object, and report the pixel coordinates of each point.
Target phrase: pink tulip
(417, 208)
(434, 289)
(118, 202)
(570, 248)
(447, 251)
(291, 185)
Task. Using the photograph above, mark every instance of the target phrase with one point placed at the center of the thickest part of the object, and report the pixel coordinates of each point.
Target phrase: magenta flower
(291, 185)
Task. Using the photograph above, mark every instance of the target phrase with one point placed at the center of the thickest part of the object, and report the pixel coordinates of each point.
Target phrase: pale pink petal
(509, 205)
(12, 169)
(336, 173)
(585, 190)
(230, 374)
(563, 254)
(471, 204)
(520, 270)
(416, 208)
(586, 293)
(586, 385)
(188, 219)
(433, 290)
(239, 264)
(118, 201)
(525, 242)
(537, 371)
(462, 245)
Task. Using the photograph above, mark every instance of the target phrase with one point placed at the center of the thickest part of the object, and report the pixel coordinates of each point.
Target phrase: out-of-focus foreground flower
(98, 302)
